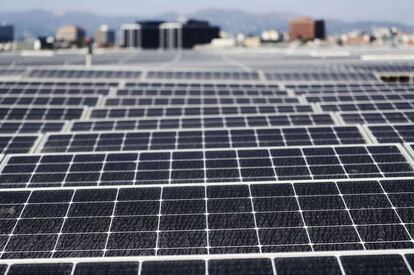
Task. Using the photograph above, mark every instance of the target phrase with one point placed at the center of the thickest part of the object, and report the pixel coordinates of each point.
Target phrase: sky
(349, 10)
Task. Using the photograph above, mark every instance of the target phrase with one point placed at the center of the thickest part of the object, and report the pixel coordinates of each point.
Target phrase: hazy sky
(392, 10)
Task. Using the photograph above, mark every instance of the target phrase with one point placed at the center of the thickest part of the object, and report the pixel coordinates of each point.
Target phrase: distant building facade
(131, 36)
(150, 34)
(71, 35)
(6, 33)
(167, 35)
(145, 35)
(306, 29)
(187, 35)
(105, 37)
(43, 43)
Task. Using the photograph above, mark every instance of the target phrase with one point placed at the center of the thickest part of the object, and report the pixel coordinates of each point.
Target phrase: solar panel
(196, 139)
(40, 113)
(378, 117)
(46, 90)
(369, 106)
(22, 126)
(201, 91)
(392, 133)
(251, 162)
(189, 101)
(129, 112)
(369, 98)
(215, 219)
(353, 89)
(56, 84)
(203, 75)
(11, 72)
(319, 76)
(186, 84)
(48, 101)
(18, 144)
(330, 264)
(203, 122)
(207, 166)
(87, 74)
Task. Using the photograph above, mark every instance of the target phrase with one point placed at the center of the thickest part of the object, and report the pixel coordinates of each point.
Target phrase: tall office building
(131, 35)
(150, 34)
(71, 35)
(171, 35)
(105, 37)
(6, 33)
(145, 35)
(187, 35)
(167, 35)
(306, 29)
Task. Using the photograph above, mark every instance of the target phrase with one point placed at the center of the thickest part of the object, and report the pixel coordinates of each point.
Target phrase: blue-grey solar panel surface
(206, 162)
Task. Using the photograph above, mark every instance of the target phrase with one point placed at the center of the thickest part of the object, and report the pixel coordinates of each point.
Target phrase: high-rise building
(131, 36)
(105, 37)
(145, 35)
(171, 35)
(150, 34)
(187, 35)
(167, 35)
(71, 35)
(306, 29)
(6, 33)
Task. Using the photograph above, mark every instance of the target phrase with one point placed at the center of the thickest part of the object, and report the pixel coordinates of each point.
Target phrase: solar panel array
(181, 169)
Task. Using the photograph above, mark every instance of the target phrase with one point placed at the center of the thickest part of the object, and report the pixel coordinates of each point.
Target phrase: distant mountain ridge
(41, 22)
